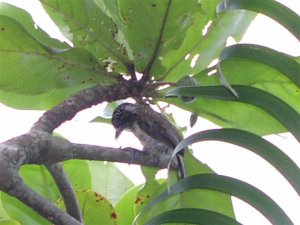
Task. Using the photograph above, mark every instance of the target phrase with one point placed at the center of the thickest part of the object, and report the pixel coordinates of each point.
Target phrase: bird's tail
(181, 166)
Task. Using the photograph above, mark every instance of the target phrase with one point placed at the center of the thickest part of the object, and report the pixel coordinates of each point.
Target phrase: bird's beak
(118, 132)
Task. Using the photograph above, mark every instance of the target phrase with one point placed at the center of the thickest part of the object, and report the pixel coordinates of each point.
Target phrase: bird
(151, 128)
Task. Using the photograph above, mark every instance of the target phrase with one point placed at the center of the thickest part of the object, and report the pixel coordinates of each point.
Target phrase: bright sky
(224, 158)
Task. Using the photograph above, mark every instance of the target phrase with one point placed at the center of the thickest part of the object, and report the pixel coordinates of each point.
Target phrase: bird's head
(123, 117)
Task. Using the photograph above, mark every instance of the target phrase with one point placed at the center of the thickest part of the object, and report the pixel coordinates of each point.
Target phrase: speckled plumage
(149, 126)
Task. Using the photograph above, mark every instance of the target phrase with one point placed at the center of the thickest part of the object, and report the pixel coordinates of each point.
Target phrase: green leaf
(187, 81)
(82, 174)
(19, 211)
(3, 215)
(192, 216)
(26, 21)
(45, 186)
(108, 180)
(256, 144)
(95, 208)
(9, 222)
(125, 206)
(251, 67)
(277, 60)
(150, 190)
(198, 51)
(42, 182)
(275, 107)
(26, 61)
(84, 23)
(283, 15)
(161, 26)
(79, 173)
(210, 200)
(42, 101)
(240, 189)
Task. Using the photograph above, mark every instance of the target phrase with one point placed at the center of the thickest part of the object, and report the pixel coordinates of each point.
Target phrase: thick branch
(40, 147)
(44, 149)
(78, 102)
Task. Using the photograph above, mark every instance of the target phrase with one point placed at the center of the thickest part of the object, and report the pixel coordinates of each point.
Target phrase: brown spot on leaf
(113, 215)
(153, 5)
(2, 29)
(138, 200)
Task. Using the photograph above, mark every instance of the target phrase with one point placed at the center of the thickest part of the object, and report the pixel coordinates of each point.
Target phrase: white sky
(224, 158)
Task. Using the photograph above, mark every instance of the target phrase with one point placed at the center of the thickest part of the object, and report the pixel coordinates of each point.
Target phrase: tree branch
(78, 102)
(44, 149)
(39, 146)
(41, 205)
(62, 181)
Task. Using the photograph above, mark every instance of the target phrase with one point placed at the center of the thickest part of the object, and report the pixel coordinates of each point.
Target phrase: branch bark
(39, 146)
(65, 187)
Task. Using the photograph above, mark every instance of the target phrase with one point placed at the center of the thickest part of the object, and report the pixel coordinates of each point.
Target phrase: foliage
(169, 40)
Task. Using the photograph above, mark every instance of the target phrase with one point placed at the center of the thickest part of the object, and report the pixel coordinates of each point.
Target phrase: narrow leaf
(279, 61)
(253, 142)
(283, 15)
(237, 188)
(274, 106)
(193, 216)
(224, 82)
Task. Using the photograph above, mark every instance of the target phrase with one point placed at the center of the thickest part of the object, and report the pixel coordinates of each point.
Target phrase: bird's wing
(159, 128)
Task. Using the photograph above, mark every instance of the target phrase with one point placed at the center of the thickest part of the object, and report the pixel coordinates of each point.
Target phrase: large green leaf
(79, 173)
(87, 26)
(275, 107)
(192, 216)
(283, 63)
(28, 69)
(197, 51)
(108, 180)
(19, 211)
(240, 189)
(125, 207)
(286, 17)
(95, 208)
(42, 182)
(161, 26)
(9, 222)
(256, 144)
(255, 66)
(42, 101)
(169, 31)
(26, 21)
